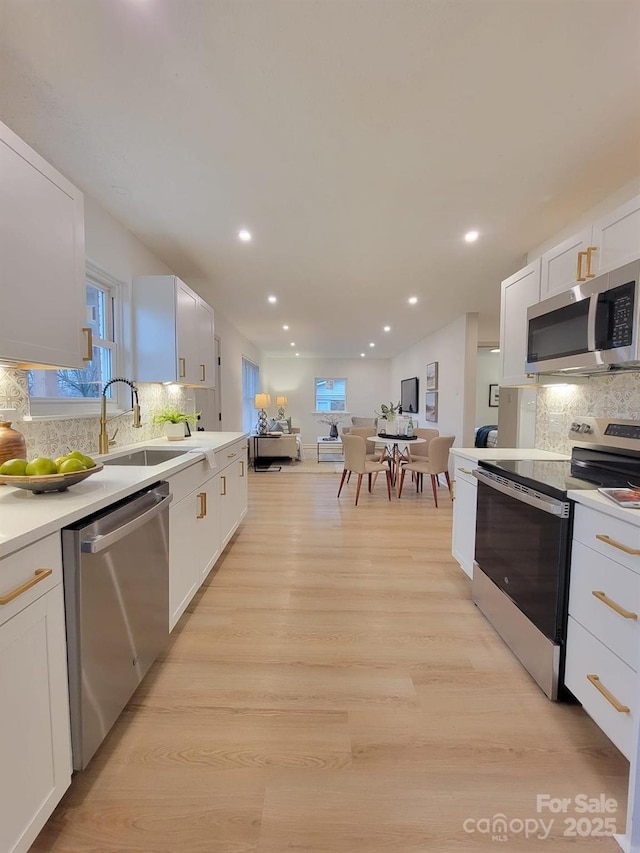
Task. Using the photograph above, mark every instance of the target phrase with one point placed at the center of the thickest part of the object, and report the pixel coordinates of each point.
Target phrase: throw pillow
(273, 425)
(283, 426)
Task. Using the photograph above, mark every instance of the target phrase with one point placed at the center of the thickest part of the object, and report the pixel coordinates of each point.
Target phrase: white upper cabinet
(610, 242)
(42, 273)
(519, 291)
(173, 332)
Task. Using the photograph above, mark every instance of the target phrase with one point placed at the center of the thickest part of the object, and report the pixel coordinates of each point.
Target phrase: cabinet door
(233, 497)
(464, 524)
(208, 523)
(35, 743)
(518, 293)
(560, 264)
(206, 360)
(43, 260)
(184, 556)
(617, 237)
(187, 331)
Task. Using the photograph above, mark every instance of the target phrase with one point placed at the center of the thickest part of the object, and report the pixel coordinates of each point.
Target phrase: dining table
(396, 449)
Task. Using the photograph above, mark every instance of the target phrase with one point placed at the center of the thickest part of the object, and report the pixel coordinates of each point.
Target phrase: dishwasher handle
(98, 543)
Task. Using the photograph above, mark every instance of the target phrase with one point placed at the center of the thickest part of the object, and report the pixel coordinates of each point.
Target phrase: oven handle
(546, 504)
(99, 543)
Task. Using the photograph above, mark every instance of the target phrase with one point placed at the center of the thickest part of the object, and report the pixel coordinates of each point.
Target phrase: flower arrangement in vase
(387, 413)
(333, 419)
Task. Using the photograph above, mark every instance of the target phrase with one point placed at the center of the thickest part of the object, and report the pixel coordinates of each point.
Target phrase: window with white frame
(331, 395)
(75, 392)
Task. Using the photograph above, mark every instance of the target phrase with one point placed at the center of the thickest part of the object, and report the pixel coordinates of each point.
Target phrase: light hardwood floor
(332, 689)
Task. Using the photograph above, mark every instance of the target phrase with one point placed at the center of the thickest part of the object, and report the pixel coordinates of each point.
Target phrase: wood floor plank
(333, 689)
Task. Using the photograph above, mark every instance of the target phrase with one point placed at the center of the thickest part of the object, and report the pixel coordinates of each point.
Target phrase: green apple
(87, 461)
(13, 467)
(60, 460)
(40, 466)
(70, 466)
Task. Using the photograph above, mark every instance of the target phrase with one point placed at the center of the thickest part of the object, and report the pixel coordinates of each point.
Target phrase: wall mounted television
(409, 396)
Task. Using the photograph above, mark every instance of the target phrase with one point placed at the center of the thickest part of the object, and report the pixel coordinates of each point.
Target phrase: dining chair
(368, 432)
(422, 450)
(436, 463)
(355, 453)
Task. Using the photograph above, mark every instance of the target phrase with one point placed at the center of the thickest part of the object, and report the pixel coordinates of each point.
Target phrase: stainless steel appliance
(593, 326)
(523, 539)
(116, 578)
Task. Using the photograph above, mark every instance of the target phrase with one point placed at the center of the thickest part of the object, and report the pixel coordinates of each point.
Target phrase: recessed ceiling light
(297, 355)
(413, 300)
(286, 328)
(361, 355)
(244, 235)
(292, 344)
(387, 329)
(471, 236)
(272, 299)
(496, 350)
(372, 344)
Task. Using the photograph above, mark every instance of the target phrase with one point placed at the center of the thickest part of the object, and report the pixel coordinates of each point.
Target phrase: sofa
(281, 447)
(371, 423)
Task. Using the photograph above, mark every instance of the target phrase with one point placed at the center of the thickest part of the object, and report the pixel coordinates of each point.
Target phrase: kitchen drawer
(230, 454)
(185, 481)
(620, 536)
(590, 572)
(588, 656)
(463, 471)
(22, 567)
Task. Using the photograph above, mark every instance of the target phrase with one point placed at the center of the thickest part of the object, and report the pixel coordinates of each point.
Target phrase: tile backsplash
(58, 436)
(601, 396)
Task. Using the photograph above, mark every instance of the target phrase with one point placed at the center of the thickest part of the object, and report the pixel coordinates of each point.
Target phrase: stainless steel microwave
(593, 326)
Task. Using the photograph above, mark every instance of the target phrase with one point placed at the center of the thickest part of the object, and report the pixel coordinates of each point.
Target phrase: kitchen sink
(144, 457)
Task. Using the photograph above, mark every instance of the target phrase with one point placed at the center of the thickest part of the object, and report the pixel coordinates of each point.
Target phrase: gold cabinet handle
(579, 276)
(241, 468)
(203, 373)
(38, 575)
(231, 455)
(635, 552)
(611, 699)
(89, 355)
(590, 251)
(465, 471)
(202, 497)
(182, 369)
(224, 484)
(601, 596)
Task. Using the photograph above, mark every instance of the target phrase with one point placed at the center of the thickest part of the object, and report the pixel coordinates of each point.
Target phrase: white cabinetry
(173, 333)
(43, 260)
(463, 537)
(35, 743)
(208, 505)
(519, 291)
(608, 243)
(603, 635)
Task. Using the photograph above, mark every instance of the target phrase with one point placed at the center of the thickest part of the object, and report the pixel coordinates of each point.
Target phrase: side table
(257, 438)
(333, 445)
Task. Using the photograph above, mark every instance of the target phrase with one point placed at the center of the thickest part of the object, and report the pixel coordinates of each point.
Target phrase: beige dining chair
(421, 451)
(369, 432)
(436, 463)
(355, 453)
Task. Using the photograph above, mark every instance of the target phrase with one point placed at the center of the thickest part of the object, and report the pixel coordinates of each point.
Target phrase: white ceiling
(357, 139)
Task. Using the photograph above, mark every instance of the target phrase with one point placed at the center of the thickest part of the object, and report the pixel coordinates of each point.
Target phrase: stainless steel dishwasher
(116, 581)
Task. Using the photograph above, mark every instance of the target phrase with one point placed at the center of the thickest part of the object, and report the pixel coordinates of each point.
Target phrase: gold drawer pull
(465, 471)
(635, 552)
(590, 251)
(202, 497)
(203, 373)
(224, 484)
(39, 575)
(601, 596)
(231, 455)
(611, 699)
(182, 370)
(579, 276)
(242, 468)
(89, 355)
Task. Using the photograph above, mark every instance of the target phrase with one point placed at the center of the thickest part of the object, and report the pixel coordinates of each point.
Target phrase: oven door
(522, 546)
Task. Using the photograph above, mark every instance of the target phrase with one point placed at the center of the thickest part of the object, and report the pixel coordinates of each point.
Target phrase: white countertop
(25, 517)
(592, 498)
(495, 453)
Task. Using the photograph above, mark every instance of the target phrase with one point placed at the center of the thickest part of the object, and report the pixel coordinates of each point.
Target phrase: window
(331, 395)
(67, 391)
(250, 387)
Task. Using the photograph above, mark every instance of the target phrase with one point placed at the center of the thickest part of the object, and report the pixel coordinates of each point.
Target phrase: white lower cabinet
(233, 498)
(603, 631)
(463, 537)
(35, 742)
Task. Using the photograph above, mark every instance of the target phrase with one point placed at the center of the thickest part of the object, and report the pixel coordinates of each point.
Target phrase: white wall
(487, 373)
(233, 346)
(454, 347)
(368, 386)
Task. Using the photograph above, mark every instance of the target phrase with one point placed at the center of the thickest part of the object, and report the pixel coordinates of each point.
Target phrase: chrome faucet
(104, 441)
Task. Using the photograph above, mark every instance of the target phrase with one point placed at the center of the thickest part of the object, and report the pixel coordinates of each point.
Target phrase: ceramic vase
(174, 432)
(333, 431)
(12, 443)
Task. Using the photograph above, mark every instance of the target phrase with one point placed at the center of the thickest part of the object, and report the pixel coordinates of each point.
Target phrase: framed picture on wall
(494, 395)
(431, 406)
(432, 376)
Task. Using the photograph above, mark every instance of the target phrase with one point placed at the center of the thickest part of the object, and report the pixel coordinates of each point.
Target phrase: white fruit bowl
(48, 482)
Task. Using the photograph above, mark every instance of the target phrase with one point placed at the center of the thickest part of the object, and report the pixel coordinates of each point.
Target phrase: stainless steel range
(523, 539)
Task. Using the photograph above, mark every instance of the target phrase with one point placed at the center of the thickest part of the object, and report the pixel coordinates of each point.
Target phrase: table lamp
(261, 401)
(281, 402)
